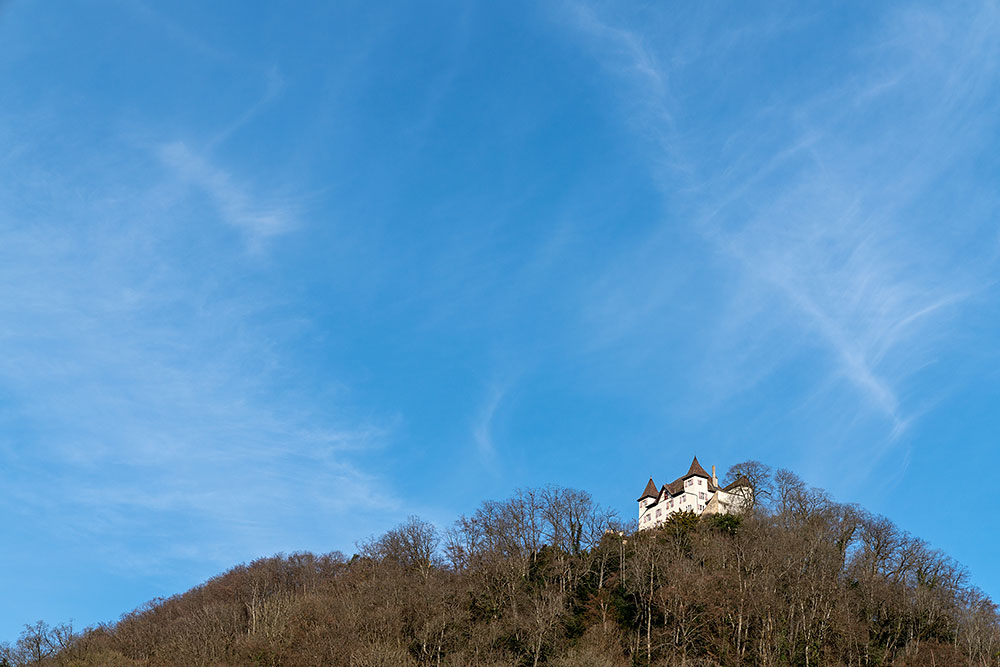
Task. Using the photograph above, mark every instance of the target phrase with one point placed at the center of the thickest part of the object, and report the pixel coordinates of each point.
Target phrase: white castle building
(697, 492)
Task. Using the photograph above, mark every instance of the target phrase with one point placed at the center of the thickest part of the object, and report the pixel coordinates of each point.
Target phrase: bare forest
(549, 578)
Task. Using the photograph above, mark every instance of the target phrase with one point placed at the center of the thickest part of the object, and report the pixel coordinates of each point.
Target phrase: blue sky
(273, 279)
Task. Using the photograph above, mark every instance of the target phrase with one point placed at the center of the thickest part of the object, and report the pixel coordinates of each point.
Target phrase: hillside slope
(538, 579)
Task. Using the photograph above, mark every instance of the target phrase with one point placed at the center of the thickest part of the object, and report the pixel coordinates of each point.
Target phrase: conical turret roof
(650, 490)
(696, 469)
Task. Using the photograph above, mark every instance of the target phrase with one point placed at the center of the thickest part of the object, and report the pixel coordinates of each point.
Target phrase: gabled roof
(740, 481)
(650, 490)
(696, 469)
(676, 487)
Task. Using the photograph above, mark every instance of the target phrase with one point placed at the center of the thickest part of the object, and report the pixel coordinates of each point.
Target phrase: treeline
(549, 578)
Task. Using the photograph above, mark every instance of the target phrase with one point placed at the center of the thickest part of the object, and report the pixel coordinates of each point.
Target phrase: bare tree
(759, 478)
(411, 545)
(538, 578)
(37, 643)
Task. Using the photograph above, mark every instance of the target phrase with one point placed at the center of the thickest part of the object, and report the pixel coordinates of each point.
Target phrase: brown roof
(650, 490)
(740, 481)
(696, 469)
(677, 486)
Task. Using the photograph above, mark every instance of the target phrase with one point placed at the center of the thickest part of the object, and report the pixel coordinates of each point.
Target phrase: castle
(696, 491)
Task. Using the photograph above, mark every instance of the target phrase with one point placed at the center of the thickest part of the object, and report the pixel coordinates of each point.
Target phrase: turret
(696, 469)
(649, 496)
(650, 491)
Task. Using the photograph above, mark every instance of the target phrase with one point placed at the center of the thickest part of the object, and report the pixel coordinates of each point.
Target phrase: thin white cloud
(482, 428)
(141, 396)
(176, 33)
(808, 208)
(274, 83)
(258, 221)
(631, 57)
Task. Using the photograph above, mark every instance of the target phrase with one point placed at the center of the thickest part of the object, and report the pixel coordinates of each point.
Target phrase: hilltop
(547, 577)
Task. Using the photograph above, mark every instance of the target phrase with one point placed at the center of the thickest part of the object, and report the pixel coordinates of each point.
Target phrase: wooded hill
(548, 578)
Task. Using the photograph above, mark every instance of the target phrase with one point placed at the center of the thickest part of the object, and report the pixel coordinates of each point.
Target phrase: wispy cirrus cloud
(257, 220)
(145, 406)
(482, 428)
(824, 237)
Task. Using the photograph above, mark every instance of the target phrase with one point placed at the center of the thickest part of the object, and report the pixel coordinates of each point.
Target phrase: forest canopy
(548, 577)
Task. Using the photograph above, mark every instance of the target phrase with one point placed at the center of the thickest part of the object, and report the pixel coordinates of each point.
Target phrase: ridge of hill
(548, 577)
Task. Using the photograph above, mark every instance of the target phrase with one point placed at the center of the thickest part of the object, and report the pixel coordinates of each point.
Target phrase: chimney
(715, 480)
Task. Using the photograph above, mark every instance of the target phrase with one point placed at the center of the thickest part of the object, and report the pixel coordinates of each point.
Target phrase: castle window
(700, 482)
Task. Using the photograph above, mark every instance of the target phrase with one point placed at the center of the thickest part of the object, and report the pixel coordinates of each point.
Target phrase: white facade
(696, 492)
